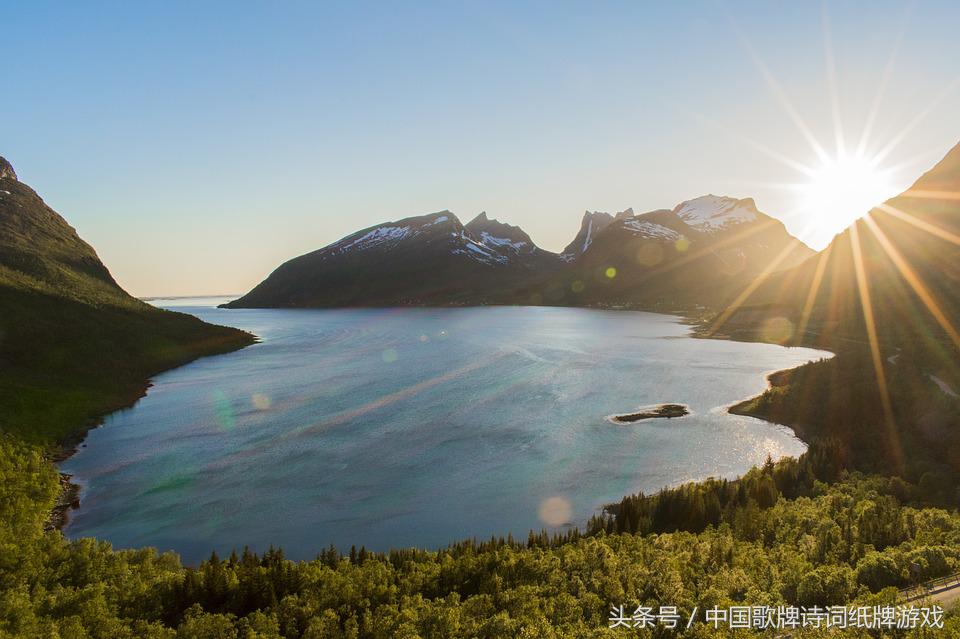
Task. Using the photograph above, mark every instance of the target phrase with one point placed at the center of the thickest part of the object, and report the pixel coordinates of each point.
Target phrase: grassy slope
(919, 435)
(73, 345)
(65, 364)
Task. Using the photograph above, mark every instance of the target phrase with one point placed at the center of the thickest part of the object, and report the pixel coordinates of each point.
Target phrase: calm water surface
(417, 427)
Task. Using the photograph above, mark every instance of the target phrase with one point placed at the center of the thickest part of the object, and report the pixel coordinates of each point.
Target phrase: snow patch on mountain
(480, 253)
(390, 233)
(946, 388)
(651, 229)
(588, 239)
(502, 242)
(713, 213)
(376, 237)
(592, 223)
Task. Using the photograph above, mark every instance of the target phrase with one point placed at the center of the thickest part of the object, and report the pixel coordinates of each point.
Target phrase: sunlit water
(417, 427)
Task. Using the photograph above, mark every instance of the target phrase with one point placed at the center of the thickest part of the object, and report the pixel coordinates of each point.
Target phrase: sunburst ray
(914, 280)
(831, 71)
(871, 118)
(881, 155)
(930, 228)
(870, 323)
(822, 260)
(753, 286)
(779, 93)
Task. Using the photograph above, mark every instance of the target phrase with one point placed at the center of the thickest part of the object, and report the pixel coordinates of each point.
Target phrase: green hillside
(884, 296)
(73, 344)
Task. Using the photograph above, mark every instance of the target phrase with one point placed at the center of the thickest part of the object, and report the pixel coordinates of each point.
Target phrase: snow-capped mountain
(649, 229)
(427, 259)
(695, 253)
(441, 227)
(712, 213)
(493, 233)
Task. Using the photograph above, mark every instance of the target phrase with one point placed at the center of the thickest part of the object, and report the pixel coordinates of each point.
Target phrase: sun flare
(844, 188)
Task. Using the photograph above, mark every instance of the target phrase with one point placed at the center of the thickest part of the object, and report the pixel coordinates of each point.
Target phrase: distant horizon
(198, 147)
(465, 219)
(454, 213)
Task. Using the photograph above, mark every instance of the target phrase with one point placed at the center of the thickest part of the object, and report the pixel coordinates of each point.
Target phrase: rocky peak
(480, 219)
(601, 219)
(597, 217)
(6, 170)
(592, 223)
(499, 234)
(710, 213)
(441, 222)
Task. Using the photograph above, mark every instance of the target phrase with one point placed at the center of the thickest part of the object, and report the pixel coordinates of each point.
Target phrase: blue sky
(198, 145)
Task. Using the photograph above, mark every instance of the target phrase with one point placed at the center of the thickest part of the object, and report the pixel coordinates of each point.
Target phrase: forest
(779, 535)
(869, 509)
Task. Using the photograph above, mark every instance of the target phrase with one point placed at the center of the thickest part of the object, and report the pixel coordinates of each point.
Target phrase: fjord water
(417, 427)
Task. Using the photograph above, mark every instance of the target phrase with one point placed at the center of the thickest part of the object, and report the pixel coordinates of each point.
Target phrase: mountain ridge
(883, 295)
(74, 345)
(384, 269)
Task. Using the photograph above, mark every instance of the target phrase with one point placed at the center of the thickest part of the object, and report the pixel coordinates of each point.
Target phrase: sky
(198, 145)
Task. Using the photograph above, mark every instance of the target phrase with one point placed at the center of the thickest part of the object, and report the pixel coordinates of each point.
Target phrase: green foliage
(73, 344)
(73, 347)
(834, 544)
(838, 401)
(63, 364)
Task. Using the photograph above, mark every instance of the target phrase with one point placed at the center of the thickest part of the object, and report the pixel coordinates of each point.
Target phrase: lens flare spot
(682, 244)
(778, 330)
(611, 272)
(650, 254)
(424, 338)
(389, 355)
(577, 286)
(261, 401)
(224, 411)
(555, 511)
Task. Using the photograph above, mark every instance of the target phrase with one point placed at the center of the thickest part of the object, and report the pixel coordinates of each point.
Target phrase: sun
(842, 189)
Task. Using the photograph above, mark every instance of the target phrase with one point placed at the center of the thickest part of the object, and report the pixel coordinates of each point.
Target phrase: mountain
(424, 260)
(73, 344)
(885, 296)
(592, 223)
(497, 234)
(696, 254)
(6, 170)
(40, 252)
(908, 250)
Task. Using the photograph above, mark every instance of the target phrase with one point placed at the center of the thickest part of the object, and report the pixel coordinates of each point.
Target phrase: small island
(652, 412)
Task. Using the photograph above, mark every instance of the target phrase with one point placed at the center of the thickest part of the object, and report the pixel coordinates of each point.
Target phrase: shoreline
(69, 496)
